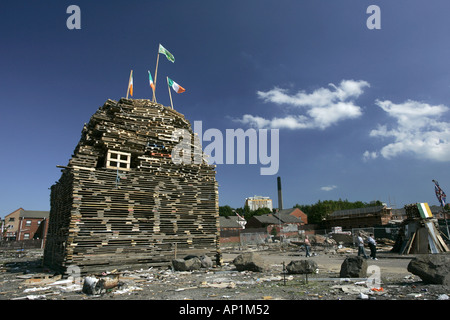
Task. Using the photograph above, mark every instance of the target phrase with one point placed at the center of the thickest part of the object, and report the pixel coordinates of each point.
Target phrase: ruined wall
(103, 218)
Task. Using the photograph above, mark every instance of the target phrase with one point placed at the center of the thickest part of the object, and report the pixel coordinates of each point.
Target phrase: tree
(226, 211)
(273, 232)
(322, 209)
(245, 212)
(260, 211)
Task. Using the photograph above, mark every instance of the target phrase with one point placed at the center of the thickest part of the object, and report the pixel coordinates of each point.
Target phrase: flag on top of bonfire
(130, 83)
(175, 86)
(150, 80)
(168, 55)
(439, 193)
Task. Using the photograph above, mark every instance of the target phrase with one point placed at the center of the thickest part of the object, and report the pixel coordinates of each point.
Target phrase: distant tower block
(280, 194)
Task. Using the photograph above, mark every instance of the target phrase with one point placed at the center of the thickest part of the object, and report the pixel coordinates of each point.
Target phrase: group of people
(372, 245)
(360, 241)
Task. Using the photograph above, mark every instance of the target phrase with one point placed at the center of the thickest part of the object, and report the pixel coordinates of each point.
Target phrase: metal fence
(364, 231)
(260, 236)
(252, 238)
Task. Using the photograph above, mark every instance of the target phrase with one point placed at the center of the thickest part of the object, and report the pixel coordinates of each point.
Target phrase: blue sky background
(379, 132)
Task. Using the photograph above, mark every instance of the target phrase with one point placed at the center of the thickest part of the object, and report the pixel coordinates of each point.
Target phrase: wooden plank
(94, 213)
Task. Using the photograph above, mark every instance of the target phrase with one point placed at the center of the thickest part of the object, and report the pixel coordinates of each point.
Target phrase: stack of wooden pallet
(123, 202)
(419, 233)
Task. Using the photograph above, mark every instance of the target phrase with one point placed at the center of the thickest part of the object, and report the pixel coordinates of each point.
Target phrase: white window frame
(115, 157)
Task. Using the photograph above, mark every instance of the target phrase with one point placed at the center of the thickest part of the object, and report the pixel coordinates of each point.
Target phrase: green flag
(168, 55)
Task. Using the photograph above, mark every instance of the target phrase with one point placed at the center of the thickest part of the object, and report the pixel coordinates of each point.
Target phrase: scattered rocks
(22, 279)
(343, 238)
(302, 267)
(432, 268)
(206, 262)
(249, 261)
(189, 263)
(353, 267)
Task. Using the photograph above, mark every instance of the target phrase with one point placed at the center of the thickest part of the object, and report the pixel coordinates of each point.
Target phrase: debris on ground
(25, 279)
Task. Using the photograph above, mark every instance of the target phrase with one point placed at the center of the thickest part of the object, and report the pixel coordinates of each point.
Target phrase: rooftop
(276, 218)
(229, 222)
(34, 214)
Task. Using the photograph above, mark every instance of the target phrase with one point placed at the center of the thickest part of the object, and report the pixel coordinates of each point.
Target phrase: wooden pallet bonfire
(419, 233)
(121, 202)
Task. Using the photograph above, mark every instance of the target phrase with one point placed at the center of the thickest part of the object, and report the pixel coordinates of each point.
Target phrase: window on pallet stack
(118, 160)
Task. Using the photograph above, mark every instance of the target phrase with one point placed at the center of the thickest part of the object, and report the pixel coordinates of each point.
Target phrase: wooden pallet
(102, 219)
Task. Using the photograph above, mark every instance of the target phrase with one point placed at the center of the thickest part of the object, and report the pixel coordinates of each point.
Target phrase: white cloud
(367, 155)
(289, 122)
(418, 130)
(319, 109)
(328, 188)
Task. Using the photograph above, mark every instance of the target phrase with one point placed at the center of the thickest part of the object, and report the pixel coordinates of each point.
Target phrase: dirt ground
(23, 278)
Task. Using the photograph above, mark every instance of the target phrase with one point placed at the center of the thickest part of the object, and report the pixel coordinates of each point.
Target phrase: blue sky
(362, 114)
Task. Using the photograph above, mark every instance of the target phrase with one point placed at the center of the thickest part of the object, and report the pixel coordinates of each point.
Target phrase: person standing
(360, 243)
(373, 247)
(307, 247)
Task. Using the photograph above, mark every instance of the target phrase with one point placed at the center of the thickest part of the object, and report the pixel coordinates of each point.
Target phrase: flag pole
(170, 94)
(442, 206)
(150, 83)
(156, 76)
(129, 80)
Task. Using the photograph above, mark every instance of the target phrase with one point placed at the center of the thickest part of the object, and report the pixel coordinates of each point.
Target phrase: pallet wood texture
(419, 234)
(103, 218)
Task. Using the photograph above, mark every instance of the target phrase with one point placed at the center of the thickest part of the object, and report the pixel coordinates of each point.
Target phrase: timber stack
(122, 201)
(419, 233)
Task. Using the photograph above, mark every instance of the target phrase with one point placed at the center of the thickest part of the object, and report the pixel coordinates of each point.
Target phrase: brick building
(230, 229)
(296, 212)
(25, 225)
(359, 218)
(284, 222)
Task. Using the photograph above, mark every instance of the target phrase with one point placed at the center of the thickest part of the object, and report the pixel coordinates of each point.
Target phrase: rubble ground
(22, 277)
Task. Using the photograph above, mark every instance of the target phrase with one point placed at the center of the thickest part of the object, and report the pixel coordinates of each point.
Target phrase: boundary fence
(22, 244)
(260, 236)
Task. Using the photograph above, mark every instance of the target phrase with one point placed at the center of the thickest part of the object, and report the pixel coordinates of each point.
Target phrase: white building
(257, 202)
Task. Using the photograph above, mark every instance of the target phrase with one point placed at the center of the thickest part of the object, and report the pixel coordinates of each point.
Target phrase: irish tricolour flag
(130, 83)
(175, 86)
(150, 80)
(424, 210)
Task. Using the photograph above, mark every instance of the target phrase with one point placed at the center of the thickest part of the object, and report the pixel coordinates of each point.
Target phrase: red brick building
(359, 218)
(230, 229)
(285, 222)
(296, 212)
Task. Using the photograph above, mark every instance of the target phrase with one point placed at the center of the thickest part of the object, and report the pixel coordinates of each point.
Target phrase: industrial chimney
(280, 195)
